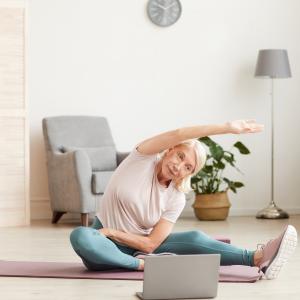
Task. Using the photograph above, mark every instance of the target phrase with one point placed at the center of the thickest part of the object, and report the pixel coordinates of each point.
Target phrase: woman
(144, 198)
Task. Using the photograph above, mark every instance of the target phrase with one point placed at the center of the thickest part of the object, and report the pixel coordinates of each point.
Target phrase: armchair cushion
(102, 158)
(100, 181)
(121, 156)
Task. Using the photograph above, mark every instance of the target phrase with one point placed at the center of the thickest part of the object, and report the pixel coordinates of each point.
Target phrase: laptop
(180, 276)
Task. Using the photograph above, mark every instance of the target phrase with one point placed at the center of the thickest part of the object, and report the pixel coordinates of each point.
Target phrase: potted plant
(209, 184)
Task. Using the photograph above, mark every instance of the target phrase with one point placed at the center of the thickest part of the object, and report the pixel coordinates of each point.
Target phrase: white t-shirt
(134, 200)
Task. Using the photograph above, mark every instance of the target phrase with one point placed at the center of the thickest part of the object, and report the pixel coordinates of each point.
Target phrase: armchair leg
(85, 220)
(56, 216)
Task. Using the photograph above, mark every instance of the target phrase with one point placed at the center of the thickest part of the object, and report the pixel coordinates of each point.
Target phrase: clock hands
(158, 5)
(164, 12)
(170, 5)
(165, 7)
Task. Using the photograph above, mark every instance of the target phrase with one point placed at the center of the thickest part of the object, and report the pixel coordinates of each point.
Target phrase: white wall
(97, 57)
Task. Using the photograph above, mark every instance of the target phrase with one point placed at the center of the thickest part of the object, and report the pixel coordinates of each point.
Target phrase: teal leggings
(101, 253)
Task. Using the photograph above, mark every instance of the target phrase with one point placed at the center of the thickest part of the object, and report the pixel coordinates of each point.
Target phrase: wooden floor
(45, 242)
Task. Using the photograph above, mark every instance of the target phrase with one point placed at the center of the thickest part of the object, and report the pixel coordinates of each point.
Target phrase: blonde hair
(185, 184)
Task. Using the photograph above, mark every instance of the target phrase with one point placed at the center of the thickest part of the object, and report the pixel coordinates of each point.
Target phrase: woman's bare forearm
(194, 132)
(142, 243)
(172, 138)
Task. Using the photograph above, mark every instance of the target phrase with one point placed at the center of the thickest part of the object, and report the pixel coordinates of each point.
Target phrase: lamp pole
(272, 136)
(272, 211)
(272, 63)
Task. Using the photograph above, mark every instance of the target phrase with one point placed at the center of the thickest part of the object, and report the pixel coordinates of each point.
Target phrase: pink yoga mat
(77, 270)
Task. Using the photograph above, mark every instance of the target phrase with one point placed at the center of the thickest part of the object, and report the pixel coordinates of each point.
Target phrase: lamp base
(272, 212)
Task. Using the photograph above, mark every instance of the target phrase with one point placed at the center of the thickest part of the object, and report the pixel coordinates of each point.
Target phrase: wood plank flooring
(43, 241)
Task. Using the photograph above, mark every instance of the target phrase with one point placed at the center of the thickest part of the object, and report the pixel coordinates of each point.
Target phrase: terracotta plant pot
(211, 207)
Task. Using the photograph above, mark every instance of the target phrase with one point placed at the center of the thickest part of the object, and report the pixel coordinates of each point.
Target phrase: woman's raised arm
(172, 138)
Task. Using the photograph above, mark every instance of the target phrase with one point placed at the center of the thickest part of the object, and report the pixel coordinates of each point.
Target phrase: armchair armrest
(121, 156)
(70, 175)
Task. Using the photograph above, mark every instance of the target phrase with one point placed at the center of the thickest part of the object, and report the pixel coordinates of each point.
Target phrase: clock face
(164, 12)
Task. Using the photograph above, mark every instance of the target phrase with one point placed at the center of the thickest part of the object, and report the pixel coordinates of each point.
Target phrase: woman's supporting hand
(146, 244)
(244, 126)
(106, 231)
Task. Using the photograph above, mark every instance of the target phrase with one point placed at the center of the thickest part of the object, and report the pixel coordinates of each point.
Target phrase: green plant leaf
(233, 189)
(209, 180)
(242, 148)
(207, 169)
(229, 161)
(229, 156)
(200, 175)
(216, 151)
(238, 184)
(226, 180)
(207, 141)
(194, 180)
(219, 165)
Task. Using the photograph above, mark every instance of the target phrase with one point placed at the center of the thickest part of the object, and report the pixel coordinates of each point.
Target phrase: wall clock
(164, 12)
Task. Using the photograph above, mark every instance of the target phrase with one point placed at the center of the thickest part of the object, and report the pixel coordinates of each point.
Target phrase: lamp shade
(273, 63)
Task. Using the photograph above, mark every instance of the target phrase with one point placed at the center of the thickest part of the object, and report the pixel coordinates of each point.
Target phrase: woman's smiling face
(178, 162)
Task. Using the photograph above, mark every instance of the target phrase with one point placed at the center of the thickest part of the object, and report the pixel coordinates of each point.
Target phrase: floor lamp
(272, 63)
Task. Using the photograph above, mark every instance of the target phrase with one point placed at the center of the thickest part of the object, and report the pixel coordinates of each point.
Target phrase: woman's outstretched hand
(244, 126)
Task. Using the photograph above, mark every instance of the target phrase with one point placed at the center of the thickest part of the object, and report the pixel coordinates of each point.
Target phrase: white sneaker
(277, 251)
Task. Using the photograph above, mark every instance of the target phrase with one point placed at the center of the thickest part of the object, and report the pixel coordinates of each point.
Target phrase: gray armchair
(81, 157)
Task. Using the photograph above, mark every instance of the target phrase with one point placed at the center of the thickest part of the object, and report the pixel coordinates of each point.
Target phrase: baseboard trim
(242, 212)
(40, 210)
